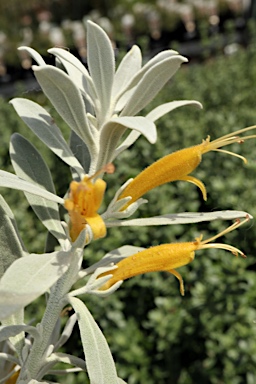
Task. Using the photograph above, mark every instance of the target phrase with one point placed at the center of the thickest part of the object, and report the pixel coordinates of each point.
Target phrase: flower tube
(167, 257)
(178, 166)
(85, 198)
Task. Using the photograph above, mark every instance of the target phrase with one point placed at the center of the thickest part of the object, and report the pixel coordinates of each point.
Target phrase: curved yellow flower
(179, 165)
(167, 257)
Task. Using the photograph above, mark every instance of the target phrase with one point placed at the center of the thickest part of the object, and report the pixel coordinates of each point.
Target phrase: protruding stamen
(232, 154)
(230, 138)
(208, 243)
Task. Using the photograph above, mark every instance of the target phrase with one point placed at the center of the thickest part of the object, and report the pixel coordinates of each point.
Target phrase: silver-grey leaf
(29, 165)
(151, 83)
(9, 180)
(101, 62)
(181, 218)
(115, 128)
(11, 245)
(13, 330)
(99, 361)
(42, 124)
(66, 98)
(34, 54)
(162, 109)
(127, 69)
(29, 277)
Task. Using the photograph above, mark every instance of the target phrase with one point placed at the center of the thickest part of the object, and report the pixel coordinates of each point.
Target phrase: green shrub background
(157, 336)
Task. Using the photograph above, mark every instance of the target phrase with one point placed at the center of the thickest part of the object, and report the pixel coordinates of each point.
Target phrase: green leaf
(66, 98)
(9, 180)
(13, 330)
(29, 165)
(42, 124)
(99, 361)
(29, 277)
(101, 62)
(151, 83)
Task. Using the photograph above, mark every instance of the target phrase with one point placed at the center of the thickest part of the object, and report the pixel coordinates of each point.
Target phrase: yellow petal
(175, 166)
(198, 183)
(84, 200)
(165, 257)
(97, 225)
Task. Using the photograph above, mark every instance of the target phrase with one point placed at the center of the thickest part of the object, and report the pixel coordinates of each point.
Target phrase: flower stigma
(167, 257)
(85, 198)
(178, 166)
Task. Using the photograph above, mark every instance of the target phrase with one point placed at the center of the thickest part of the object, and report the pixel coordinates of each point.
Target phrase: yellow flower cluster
(86, 197)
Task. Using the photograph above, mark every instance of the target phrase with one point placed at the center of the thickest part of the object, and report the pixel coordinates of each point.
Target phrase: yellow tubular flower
(85, 198)
(179, 165)
(167, 257)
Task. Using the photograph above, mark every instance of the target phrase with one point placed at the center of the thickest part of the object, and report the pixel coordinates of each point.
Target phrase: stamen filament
(230, 138)
(235, 251)
(231, 228)
(232, 154)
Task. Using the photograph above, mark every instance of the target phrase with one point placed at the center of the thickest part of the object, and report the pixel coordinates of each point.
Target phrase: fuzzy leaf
(101, 62)
(162, 109)
(151, 63)
(181, 218)
(127, 69)
(13, 330)
(67, 331)
(66, 98)
(29, 165)
(130, 139)
(9, 180)
(99, 361)
(76, 70)
(10, 242)
(29, 277)
(115, 128)
(42, 124)
(34, 54)
(80, 150)
(12, 248)
(151, 83)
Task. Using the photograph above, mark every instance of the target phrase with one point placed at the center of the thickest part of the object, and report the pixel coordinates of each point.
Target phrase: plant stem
(54, 306)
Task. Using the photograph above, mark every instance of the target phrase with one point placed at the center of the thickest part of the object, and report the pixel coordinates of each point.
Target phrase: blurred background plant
(156, 336)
